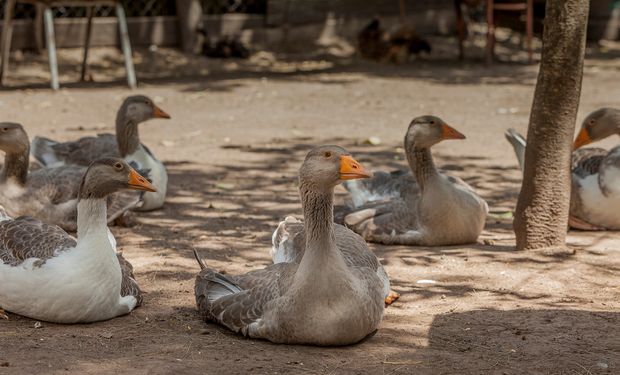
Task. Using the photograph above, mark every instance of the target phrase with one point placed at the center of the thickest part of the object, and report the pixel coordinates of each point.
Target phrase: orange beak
(350, 169)
(137, 182)
(448, 132)
(583, 138)
(159, 113)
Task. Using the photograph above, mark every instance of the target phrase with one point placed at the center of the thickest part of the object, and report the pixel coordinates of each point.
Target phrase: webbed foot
(391, 298)
(577, 223)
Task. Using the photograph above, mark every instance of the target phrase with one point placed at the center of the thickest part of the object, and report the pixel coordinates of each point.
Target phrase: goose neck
(16, 167)
(318, 219)
(422, 165)
(127, 136)
(92, 218)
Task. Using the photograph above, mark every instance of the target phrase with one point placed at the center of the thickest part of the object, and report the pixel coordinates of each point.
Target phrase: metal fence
(147, 8)
(234, 6)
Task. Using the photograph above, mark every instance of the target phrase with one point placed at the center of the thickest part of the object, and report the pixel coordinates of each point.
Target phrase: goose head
(426, 131)
(13, 138)
(106, 176)
(598, 125)
(140, 108)
(327, 166)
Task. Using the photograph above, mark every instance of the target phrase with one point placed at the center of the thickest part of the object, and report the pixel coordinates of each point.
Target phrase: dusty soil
(238, 134)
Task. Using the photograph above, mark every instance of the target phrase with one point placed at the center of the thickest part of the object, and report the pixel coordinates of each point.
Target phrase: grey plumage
(134, 110)
(49, 194)
(323, 293)
(421, 207)
(81, 152)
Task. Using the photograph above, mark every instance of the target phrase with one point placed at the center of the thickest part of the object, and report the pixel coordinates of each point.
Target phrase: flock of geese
(325, 286)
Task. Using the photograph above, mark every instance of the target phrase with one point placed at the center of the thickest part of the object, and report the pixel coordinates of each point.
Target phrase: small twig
(406, 363)
(584, 369)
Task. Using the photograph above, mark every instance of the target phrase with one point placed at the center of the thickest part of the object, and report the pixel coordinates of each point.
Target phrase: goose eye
(5, 129)
(118, 166)
(327, 154)
(432, 122)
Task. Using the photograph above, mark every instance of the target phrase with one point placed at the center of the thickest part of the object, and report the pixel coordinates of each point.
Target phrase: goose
(48, 194)
(424, 207)
(595, 175)
(48, 275)
(126, 144)
(325, 299)
(289, 243)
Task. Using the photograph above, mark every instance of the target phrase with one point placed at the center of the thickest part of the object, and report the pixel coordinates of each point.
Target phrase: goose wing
(129, 285)
(80, 152)
(58, 184)
(587, 161)
(238, 301)
(382, 186)
(26, 237)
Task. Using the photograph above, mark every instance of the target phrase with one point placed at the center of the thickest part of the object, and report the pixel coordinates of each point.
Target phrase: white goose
(126, 144)
(595, 191)
(595, 196)
(46, 274)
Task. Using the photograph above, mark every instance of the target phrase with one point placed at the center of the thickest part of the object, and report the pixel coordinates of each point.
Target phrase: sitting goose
(46, 274)
(595, 176)
(49, 194)
(324, 299)
(424, 208)
(126, 144)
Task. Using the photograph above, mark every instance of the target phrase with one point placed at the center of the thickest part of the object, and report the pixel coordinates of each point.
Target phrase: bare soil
(238, 133)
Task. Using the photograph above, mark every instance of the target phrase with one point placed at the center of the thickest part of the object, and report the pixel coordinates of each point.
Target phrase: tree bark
(542, 210)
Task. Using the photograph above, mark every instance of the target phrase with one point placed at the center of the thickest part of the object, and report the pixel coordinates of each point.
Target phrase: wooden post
(90, 12)
(402, 12)
(530, 28)
(38, 27)
(7, 31)
(490, 50)
(460, 27)
(189, 14)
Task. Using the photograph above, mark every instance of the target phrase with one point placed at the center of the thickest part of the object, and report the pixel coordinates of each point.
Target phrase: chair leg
(7, 31)
(89, 26)
(48, 19)
(530, 28)
(126, 45)
(460, 27)
(38, 28)
(490, 50)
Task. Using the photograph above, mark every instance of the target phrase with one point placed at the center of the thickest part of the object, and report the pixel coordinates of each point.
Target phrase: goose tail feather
(518, 144)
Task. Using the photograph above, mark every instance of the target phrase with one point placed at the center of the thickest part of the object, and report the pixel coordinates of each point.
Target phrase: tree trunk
(542, 210)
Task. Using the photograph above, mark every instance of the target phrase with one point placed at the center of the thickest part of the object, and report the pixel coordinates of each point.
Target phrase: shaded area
(524, 341)
(227, 211)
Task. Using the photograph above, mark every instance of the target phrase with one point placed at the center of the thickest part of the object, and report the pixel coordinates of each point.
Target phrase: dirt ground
(238, 133)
